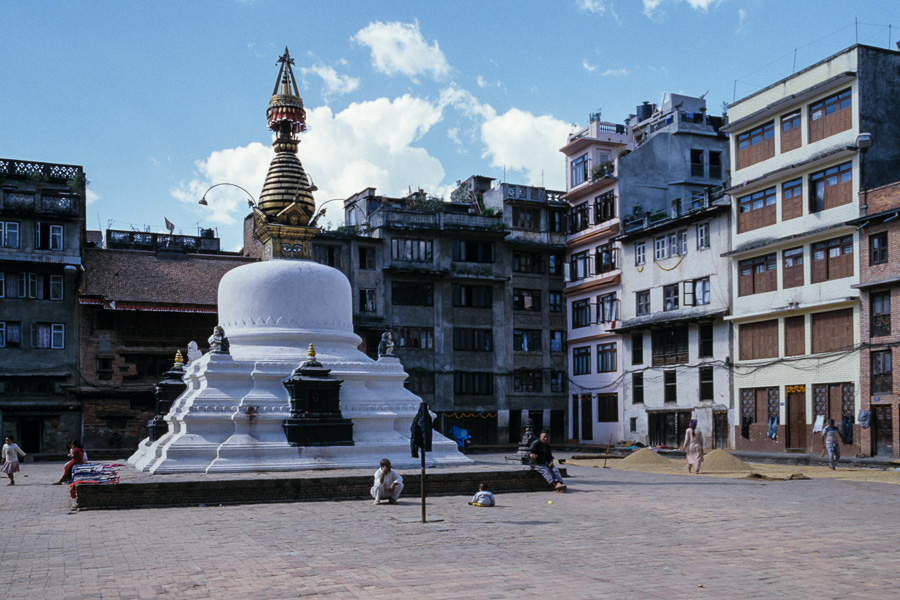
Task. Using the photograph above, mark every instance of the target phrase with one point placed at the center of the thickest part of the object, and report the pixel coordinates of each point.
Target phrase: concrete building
(144, 296)
(795, 183)
(593, 289)
(41, 235)
(675, 284)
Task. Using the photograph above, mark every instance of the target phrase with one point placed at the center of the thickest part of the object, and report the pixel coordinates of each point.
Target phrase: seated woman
(76, 453)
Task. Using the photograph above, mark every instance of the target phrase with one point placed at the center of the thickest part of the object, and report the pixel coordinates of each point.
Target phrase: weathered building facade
(41, 235)
(795, 183)
(675, 284)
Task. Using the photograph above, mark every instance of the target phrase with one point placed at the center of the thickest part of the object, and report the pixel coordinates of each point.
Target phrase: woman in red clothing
(76, 453)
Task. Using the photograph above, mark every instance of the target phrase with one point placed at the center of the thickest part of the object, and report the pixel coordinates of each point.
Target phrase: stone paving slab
(615, 534)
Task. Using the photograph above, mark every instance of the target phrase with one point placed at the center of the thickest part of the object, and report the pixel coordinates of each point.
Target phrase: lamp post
(864, 141)
(251, 201)
(321, 211)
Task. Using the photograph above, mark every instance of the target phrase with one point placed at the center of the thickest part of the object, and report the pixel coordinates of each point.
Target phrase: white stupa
(230, 417)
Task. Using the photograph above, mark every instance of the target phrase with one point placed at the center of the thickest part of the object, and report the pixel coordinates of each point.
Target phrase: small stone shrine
(315, 412)
(166, 391)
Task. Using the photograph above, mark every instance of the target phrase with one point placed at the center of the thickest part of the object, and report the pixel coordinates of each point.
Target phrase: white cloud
(588, 66)
(481, 82)
(742, 14)
(400, 48)
(90, 197)
(598, 7)
(466, 103)
(616, 72)
(651, 6)
(334, 83)
(527, 143)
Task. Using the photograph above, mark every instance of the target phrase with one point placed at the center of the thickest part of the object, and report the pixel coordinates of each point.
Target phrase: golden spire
(179, 360)
(311, 353)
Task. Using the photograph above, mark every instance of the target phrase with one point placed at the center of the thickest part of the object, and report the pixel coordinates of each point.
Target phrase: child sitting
(482, 497)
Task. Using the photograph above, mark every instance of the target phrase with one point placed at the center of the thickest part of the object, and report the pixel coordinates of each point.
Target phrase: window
(606, 358)
(557, 381)
(415, 338)
(557, 262)
(580, 266)
(755, 145)
(407, 293)
(880, 306)
(671, 390)
(528, 380)
(702, 236)
(366, 300)
(581, 167)
(640, 254)
(637, 388)
(715, 165)
(672, 244)
(832, 330)
(529, 300)
(528, 262)
(697, 166)
(832, 259)
(790, 132)
(10, 334)
(473, 384)
(757, 275)
(670, 297)
(670, 345)
(642, 301)
(579, 219)
(366, 258)
(758, 340)
(696, 292)
(48, 237)
(795, 336)
(420, 381)
(882, 373)
(526, 340)
(412, 250)
(557, 221)
(3, 285)
(878, 248)
(9, 234)
(706, 384)
(831, 187)
(581, 313)
(607, 408)
(327, 255)
(792, 270)
(606, 258)
(555, 301)
(607, 308)
(581, 361)
(637, 348)
(756, 210)
(557, 341)
(526, 218)
(473, 296)
(473, 251)
(632, 424)
(604, 207)
(48, 335)
(705, 339)
(830, 116)
(474, 340)
(792, 199)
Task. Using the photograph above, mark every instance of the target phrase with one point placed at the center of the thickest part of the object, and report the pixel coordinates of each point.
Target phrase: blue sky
(160, 100)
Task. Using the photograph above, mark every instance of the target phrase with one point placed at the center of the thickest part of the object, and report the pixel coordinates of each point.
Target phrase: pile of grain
(720, 461)
(645, 457)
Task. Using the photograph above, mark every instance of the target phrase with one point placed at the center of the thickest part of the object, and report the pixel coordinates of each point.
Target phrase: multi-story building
(471, 297)
(41, 235)
(879, 286)
(593, 291)
(675, 283)
(795, 183)
(144, 296)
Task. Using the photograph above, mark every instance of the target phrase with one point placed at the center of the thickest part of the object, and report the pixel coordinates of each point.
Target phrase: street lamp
(321, 212)
(251, 201)
(864, 141)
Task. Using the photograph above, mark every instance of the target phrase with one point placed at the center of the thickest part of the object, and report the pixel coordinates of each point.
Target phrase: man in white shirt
(387, 483)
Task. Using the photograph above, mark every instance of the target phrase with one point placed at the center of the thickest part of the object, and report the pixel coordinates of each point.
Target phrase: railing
(610, 128)
(699, 201)
(139, 240)
(440, 220)
(39, 171)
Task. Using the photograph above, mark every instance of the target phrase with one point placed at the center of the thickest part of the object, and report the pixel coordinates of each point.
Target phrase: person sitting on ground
(542, 458)
(482, 497)
(77, 455)
(10, 456)
(387, 483)
(833, 441)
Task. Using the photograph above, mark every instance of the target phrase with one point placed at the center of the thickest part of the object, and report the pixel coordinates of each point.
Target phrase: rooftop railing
(140, 240)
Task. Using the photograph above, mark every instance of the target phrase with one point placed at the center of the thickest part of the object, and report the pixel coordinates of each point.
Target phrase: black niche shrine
(315, 412)
(166, 392)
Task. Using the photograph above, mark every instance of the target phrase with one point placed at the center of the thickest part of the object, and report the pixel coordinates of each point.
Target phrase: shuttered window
(831, 187)
(757, 275)
(790, 132)
(795, 336)
(755, 145)
(792, 270)
(832, 115)
(759, 340)
(756, 210)
(792, 199)
(832, 330)
(832, 259)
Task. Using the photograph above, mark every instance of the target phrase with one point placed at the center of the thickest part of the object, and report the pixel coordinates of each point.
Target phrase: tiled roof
(139, 276)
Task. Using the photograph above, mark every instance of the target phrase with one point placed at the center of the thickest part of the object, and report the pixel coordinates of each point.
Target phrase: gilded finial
(179, 360)
(311, 353)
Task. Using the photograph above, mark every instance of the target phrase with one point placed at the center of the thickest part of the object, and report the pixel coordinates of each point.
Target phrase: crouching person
(542, 457)
(388, 483)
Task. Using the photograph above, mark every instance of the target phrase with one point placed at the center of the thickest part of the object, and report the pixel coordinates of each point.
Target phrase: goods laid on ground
(92, 474)
(645, 457)
(721, 461)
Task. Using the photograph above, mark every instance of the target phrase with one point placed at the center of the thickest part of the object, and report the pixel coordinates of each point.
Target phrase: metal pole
(423, 484)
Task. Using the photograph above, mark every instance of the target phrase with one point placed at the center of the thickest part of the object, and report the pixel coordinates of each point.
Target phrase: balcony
(413, 219)
(39, 172)
(154, 242)
(699, 201)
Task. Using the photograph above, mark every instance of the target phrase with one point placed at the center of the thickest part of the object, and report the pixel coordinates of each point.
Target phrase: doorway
(587, 417)
(796, 410)
(30, 436)
(882, 431)
(720, 430)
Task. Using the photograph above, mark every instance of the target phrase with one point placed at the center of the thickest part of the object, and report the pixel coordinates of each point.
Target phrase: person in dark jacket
(542, 457)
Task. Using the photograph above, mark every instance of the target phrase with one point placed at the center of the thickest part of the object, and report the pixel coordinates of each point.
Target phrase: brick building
(144, 296)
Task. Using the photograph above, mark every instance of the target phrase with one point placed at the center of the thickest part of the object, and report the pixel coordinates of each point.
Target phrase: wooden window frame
(758, 280)
(831, 115)
(831, 187)
(880, 313)
(791, 133)
(581, 360)
(757, 210)
(832, 259)
(792, 267)
(832, 330)
(755, 145)
(878, 248)
(795, 336)
(792, 199)
(758, 340)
